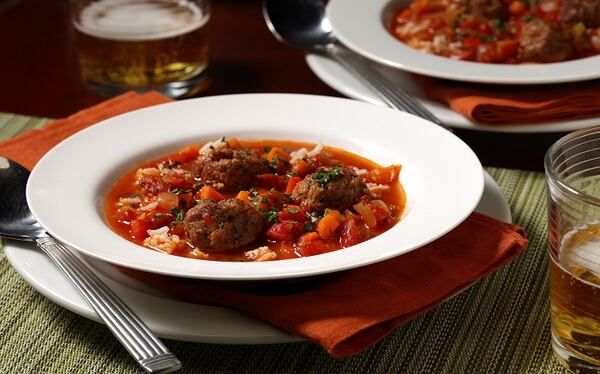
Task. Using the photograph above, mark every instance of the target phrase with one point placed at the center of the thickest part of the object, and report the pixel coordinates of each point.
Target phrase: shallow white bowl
(362, 26)
(442, 176)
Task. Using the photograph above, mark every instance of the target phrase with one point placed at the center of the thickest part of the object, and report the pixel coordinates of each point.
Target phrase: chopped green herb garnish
(528, 18)
(308, 227)
(178, 213)
(271, 215)
(325, 176)
(198, 187)
(223, 140)
(267, 149)
(292, 210)
(532, 3)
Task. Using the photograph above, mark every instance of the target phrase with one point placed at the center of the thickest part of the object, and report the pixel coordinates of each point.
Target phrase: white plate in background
(338, 78)
(362, 26)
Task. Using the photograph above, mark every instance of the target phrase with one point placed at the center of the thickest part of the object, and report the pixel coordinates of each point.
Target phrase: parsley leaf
(325, 176)
(271, 215)
(178, 213)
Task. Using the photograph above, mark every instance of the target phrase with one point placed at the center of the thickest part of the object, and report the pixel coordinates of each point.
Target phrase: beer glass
(573, 177)
(142, 45)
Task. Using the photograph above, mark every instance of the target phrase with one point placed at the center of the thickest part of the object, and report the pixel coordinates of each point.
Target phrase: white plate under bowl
(442, 176)
(165, 316)
(337, 77)
(362, 26)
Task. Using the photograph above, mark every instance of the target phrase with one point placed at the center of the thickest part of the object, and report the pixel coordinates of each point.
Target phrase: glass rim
(554, 177)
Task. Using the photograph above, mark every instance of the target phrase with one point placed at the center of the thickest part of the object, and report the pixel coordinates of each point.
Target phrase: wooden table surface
(39, 72)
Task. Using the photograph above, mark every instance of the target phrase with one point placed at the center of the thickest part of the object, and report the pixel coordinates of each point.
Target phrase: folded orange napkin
(344, 312)
(497, 105)
(29, 147)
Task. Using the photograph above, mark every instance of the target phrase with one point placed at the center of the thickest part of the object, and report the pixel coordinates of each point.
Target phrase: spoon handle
(394, 96)
(146, 348)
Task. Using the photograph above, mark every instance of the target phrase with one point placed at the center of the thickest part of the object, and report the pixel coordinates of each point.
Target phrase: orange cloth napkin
(497, 105)
(29, 147)
(344, 312)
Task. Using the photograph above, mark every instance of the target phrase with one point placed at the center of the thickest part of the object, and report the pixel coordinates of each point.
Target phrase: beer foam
(136, 20)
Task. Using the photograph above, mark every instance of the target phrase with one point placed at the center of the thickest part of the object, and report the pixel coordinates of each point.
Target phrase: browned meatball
(487, 8)
(335, 188)
(223, 225)
(586, 11)
(230, 169)
(541, 41)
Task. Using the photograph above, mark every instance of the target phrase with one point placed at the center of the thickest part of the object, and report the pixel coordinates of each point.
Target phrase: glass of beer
(142, 45)
(573, 177)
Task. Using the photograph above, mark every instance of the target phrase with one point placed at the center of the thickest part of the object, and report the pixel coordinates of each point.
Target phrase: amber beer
(575, 297)
(137, 44)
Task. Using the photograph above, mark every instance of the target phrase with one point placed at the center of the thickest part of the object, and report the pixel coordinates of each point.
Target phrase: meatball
(223, 225)
(230, 169)
(336, 188)
(586, 11)
(488, 8)
(541, 41)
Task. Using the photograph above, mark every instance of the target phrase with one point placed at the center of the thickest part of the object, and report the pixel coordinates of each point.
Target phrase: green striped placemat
(499, 325)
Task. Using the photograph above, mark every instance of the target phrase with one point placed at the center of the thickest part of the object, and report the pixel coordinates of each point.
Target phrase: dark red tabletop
(39, 72)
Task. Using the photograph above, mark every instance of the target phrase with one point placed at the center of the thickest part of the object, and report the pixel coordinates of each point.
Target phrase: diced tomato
(138, 229)
(487, 53)
(471, 23)
(485, 29)
(159, 220)
(178, 230)
(186, 200)
(537, 11)
(152, 185)
(271, 181)
(291, 184)
(352, 232)
(385, 175)
(301, 168)
(291, 213)
(517, 8)
(316, 247)
(471, 42)
(437, 23)
(380, 210)
(126, 215)
(276, 198)
(404, 16)
(506, 49)
(466, 54)
(285, 231)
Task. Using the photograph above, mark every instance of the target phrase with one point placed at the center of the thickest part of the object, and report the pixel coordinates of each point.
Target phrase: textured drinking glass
(573, 176)
(142, 45)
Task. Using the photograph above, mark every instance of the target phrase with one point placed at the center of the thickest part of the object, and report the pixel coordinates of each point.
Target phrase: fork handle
(393, 96)
(141, 343)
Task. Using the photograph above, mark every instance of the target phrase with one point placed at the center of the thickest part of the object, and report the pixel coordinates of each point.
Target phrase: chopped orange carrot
(279, 153)
(243, 195)
(291, 184)
(301, 168)
(329, 224)
(207, 192)
(234, 143)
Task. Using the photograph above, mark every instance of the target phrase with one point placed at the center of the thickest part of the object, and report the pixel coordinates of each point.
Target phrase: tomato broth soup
(501, 31)
(255, 200)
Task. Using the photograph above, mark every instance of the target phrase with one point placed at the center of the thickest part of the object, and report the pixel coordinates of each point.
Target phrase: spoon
(303, 24)
(17, 222)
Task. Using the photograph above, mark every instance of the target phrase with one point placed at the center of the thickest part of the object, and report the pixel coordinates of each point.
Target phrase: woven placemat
(499, 325)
